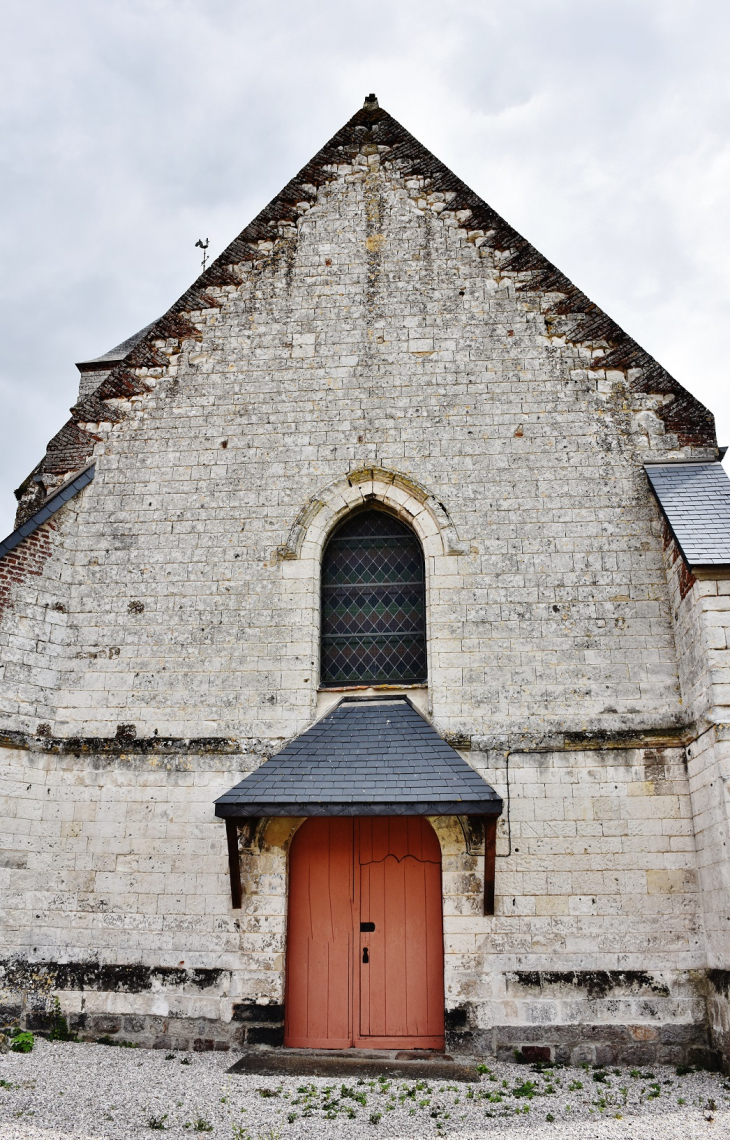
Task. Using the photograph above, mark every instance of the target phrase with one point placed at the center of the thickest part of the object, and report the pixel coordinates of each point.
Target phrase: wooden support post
(490, 853)
(234, 862)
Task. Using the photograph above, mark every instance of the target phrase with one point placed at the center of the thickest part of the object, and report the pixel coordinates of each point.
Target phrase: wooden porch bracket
(490, 854)
(234, 863)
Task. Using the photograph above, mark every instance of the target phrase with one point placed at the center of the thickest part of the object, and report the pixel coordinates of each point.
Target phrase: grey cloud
(129, 130)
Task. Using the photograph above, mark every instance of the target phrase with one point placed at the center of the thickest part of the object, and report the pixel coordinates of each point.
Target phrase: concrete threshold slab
(411, 1064)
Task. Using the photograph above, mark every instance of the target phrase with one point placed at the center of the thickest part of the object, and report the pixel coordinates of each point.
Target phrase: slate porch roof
(366, 757)
(695, 498)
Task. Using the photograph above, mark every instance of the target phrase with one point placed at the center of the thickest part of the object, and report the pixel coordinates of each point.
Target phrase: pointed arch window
(373, 603)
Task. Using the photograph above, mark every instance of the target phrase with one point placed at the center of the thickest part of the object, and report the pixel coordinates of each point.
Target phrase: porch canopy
(367, 757)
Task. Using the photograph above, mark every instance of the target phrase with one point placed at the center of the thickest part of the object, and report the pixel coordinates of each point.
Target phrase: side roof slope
(695, 499)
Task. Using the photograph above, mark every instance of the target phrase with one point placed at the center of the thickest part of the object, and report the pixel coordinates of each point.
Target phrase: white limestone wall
(375, 351)
(376, 336)
(119, 861)
(702, 623)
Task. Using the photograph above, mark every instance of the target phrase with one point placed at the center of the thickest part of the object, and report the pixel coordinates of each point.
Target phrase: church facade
(365, 678)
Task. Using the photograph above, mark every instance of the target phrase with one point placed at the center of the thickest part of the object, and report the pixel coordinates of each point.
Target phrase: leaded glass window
(373, 603)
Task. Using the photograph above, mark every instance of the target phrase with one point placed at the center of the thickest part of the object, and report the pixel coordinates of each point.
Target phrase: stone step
(409, 1064)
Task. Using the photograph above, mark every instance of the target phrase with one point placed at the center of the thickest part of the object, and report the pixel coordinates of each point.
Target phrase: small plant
(7, 1085)
(59, 1026)
(291, 1117)
(376, 1117)
(601, 1077)
(549, 1117)
(636, 1074)
(268, 1092)
(157, 1123)
(683, 1070)
(527, 1088)
(575, 1086)
(240, 1133)
(169, 1056)
(21, 1041)
(186, 1061)
(107, 1040)
(482, 1069)
(201, 1125)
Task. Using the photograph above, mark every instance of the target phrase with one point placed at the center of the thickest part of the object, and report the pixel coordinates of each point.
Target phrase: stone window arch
(373, 602)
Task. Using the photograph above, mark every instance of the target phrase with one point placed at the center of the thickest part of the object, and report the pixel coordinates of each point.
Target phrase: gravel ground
(94, 1092)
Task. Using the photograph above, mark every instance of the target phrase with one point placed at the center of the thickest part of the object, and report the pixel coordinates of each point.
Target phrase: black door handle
(365, 954)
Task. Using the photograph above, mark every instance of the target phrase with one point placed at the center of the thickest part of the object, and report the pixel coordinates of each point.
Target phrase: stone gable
(377, 334)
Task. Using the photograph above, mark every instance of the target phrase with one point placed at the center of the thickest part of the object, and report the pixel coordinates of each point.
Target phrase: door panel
(384, 873)
(320, 936)
(401, 983)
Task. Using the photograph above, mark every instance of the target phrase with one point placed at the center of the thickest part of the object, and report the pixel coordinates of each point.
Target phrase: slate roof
(366, 757)
(695, 498)
(52, 504)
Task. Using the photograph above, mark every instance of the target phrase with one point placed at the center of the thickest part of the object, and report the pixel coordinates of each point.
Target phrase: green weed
(59, 1026)
(22, 1041)
(107, 1040)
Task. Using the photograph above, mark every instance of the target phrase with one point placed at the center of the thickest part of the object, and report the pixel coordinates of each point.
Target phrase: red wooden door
(318, 1007)
(401, 960)
(365, 960)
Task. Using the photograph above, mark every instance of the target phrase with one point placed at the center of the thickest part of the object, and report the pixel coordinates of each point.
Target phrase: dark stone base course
(252, 1025)
(645, 1044)
(255, 1026)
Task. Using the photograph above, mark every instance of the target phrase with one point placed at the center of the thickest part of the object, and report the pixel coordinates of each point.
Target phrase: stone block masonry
(563, 546)
(595, 950)
(377, 335)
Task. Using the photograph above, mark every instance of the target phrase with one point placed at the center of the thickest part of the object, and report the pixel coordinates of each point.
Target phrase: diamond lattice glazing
(373, 603)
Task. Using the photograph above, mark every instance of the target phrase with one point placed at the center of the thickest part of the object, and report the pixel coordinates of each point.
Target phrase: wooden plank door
(318, 1008)
(401, 960)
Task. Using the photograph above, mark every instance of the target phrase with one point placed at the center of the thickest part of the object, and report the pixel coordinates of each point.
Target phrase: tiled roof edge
(491, 806)
(691, 563)
(54, 503)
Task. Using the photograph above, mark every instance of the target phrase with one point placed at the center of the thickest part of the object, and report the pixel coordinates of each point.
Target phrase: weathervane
(200, 244)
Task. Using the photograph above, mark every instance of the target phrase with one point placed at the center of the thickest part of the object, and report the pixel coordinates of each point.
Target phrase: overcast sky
(131, 128)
